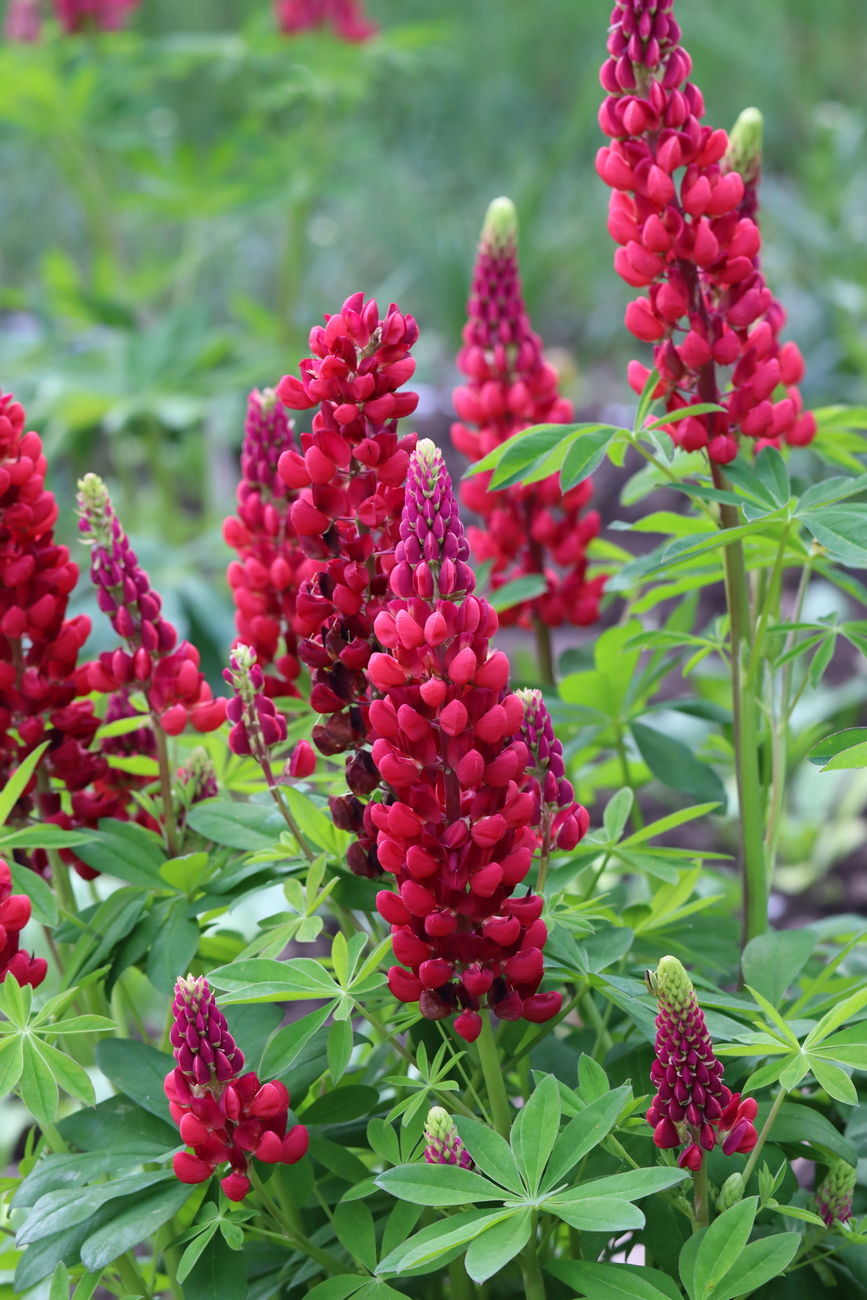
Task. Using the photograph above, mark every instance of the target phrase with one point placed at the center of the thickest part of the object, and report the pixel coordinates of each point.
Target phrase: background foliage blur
(182, 200)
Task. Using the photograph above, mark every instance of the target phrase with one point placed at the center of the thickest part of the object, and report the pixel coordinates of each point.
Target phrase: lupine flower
(693, 1108)
(23, 21)
(834, 1193)
(222, 1114)
(350, 481)
(14, 915)
(346, 17)
(563, 821)
(695, 246)
(154, 662)
(256, 724)
(458, 837)
(302, 761)
(105, 15)
(510, 386)
(442, 1146)
(271, 567)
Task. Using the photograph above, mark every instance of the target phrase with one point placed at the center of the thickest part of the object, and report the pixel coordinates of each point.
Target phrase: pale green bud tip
(671, 982)
(501, 225)
(439, 1126)
(426, 450)
(731, 1192)
(744, 153)
(243, 658)
(92, 493)
(267, 400)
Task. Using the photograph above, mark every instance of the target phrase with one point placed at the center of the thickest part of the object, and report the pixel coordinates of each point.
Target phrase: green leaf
(685, 412)
(173, 949)
(611, 1281)
(491, 1153)
(262, 979)
(11, 1063)
(674, 763)
(834, 1080)
(18, 781)
(194, 1250)
(138, 1070)
(44, 836)
(37, 1086)
(342, 1104)
(824, 750)
(796, 1124)
(437, 1185)
(515, 593)
(440, 1238)
(602, 1214)
(772, 961)
(249, 827)
(340, 1041)
(837, 1016)
(110, 922)
(841, 529)
(832, 489)
(583, 1133)
(133, 1225)
(42, 900)
(616, 812)
(336, 1288)
(218, 1274)
(668, 823)
(59, 1289)
(631, 1185)
(771, 470)
(67, 1072)
(535, 1130)
(184, 873)
(67, 1207)
(127, 851)
(721, 1245)
(492, 1250)
(353, 1224)
(288, 1043)
(585, 455)
(756, 1264)
(118, 1124)
(690, 548)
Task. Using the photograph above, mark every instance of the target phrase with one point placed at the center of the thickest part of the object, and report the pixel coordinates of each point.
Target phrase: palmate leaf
(492, 1249)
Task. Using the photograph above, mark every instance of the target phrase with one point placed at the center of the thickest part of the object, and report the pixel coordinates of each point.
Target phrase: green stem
(460, 1286)
(534, 1282)
(770, 603)
(591, 1015)
(494, 1080)
(277, 796)
(453, 1103)
(755, 876)
(128, 1272)
(766, 1128)
(779, 753)
(544, 653)
(620, 745)
(166, 787)
(700, 1196)
(297, 1239)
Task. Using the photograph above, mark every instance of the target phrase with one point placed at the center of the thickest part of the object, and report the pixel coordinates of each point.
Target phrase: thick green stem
(534, 1282)
(494, 1081)
(166, 788)
(755, 875)
(700, 1196)
(763, 1136)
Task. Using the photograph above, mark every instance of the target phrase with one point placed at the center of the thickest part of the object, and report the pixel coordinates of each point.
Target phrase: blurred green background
(181, 201)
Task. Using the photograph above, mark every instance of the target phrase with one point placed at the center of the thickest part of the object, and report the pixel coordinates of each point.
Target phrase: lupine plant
(388, 972)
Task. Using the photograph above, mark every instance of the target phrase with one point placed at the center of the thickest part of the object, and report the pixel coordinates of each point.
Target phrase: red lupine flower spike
(562, 821)
(166, 671)
(442, 1144)
(346, 17)
(694, 247)
(223, 1115)
(271, 567)
(458, 837)
(257, 726)
(510, 386)
(693, 1108)
(81, 15)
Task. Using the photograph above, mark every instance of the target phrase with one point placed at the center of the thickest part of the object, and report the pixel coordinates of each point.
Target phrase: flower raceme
(266, 577)
(458, 838)
(563, 823)
(442, 1146)
(349, 479)
(346, 17)
(834, 1193)
(14, 915)
(153, 662)
(693, 1108)
(695, 245)
(224, 1115)
(256, 724)
(509, 387)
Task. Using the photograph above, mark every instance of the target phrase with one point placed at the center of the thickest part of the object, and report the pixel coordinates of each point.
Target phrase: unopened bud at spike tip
(500, 229)
(744, 152)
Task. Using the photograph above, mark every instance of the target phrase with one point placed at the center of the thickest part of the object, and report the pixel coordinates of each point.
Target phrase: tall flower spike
(834, 1193)
(168, 673)
(457, 837)
(222, 1114)
(694, 246)
(349, 482)
(563, 822)
(510, 386)
(442, 1146)
(270, 569)
(693, 1108)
